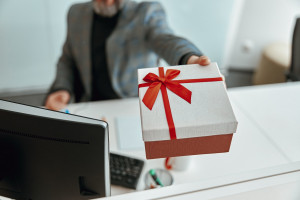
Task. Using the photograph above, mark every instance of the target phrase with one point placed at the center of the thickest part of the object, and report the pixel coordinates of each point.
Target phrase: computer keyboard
(125, 171)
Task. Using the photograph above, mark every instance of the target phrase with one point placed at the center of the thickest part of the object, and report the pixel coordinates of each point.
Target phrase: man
(107, 41)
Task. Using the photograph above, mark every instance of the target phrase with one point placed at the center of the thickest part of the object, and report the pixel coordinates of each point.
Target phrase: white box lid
(210, 111)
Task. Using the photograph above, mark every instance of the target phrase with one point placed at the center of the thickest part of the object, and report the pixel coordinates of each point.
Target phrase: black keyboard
(125, 171)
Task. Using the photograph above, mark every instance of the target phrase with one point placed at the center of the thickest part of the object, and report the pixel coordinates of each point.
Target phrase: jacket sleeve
(66, 69)
(161, 39)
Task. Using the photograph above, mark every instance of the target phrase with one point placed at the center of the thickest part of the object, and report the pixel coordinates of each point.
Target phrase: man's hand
(202, 60)
(57, 100)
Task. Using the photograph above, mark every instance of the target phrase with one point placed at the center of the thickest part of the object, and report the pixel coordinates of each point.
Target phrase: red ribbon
(162, 82)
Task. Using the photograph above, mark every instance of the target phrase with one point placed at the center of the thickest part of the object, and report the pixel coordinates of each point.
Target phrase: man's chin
(105, 11)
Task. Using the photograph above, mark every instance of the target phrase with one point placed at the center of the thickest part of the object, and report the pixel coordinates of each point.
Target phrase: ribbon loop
(172, 73)
(150, 77)
(153, 90)
(151, 94)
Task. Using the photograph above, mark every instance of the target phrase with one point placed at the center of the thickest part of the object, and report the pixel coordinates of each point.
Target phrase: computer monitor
(52, 155)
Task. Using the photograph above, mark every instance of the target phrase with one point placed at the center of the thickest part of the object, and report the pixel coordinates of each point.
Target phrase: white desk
(276, 183)
(254, 146)
(275, 110)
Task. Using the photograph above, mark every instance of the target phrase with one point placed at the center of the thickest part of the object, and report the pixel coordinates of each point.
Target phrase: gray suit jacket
(141, 35)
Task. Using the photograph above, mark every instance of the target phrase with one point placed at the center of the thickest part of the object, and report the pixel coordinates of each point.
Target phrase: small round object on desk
(273, 65)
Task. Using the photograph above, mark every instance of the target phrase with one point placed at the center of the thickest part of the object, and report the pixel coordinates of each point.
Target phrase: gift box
(185, 110)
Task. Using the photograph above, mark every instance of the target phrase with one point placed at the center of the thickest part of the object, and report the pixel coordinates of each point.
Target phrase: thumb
(203, 60)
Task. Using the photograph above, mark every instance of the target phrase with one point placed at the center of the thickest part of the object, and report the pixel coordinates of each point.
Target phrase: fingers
(49, 103)
(57, 100)
(203, 60)
(55, 104)
(58, 106)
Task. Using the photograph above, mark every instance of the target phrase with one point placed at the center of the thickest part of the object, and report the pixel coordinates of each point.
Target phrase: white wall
(24, 52)
(32, 33)
(261, 23)
(31, 36)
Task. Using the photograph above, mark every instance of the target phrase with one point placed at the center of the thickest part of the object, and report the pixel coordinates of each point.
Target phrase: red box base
(188, 146)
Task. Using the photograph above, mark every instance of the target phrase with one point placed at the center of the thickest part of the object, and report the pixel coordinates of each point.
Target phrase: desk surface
(264, 114)
(275, 110)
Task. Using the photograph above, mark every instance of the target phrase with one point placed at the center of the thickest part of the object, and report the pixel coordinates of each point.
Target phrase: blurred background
(243, 36)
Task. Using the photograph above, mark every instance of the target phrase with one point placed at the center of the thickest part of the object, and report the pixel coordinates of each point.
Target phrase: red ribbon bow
(162, 82)
(157, 82)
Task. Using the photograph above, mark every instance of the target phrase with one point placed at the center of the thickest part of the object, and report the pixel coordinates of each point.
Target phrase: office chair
(294, 72)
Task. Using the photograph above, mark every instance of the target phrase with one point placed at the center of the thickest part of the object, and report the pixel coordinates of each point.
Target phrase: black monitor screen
(52, 155)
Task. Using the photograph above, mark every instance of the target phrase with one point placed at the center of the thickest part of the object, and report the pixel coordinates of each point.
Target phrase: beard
(102, 9)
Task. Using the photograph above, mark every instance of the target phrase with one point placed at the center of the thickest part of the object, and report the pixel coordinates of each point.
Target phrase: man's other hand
(57, 100)
(202, 60)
